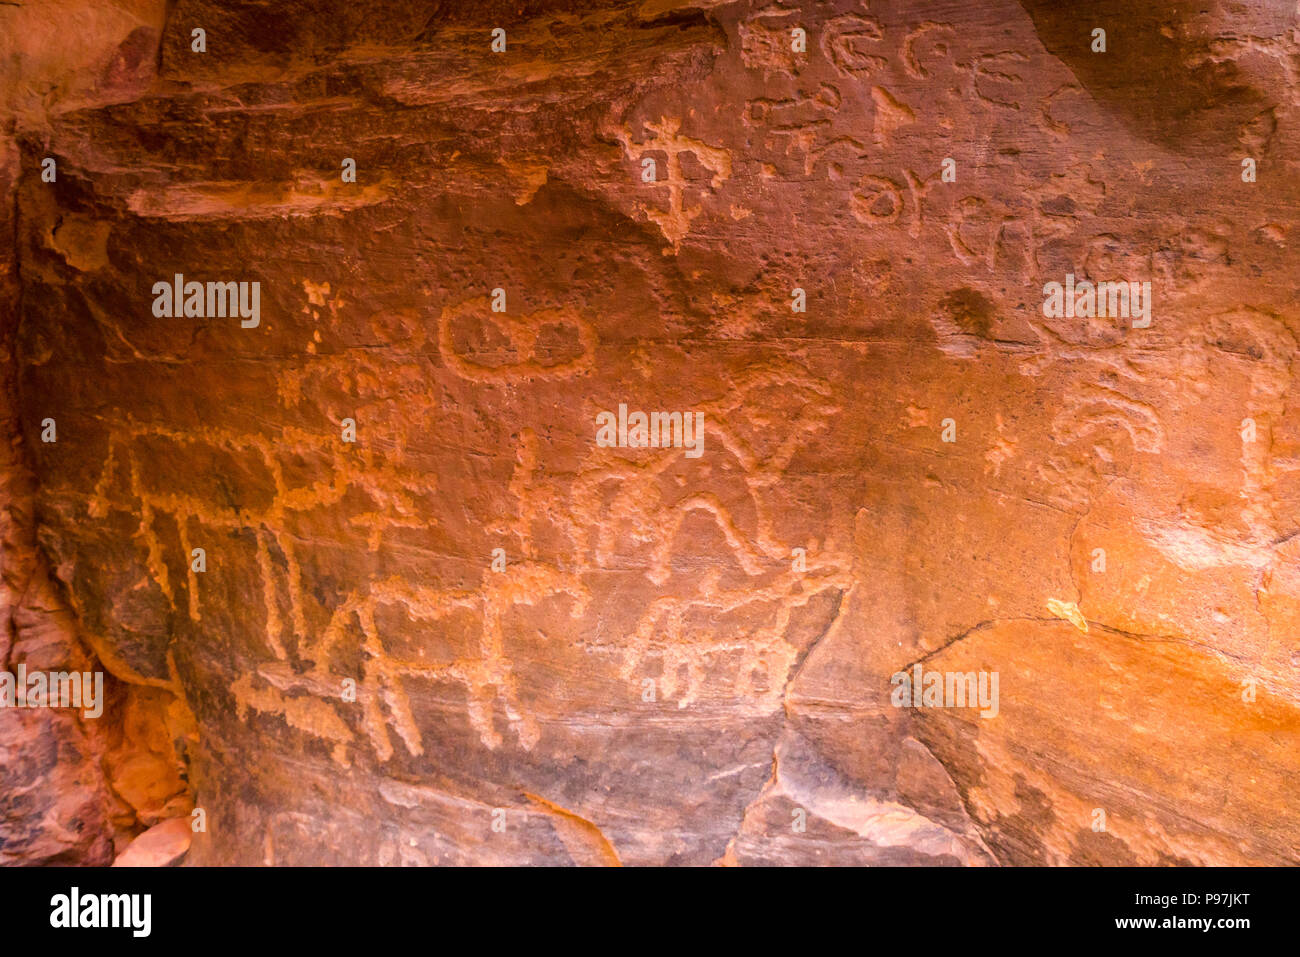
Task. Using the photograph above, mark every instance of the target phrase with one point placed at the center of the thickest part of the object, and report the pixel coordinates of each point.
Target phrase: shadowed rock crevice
(1181, 75)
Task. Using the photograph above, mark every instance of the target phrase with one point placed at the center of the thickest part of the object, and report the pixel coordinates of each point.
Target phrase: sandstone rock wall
(673, 659)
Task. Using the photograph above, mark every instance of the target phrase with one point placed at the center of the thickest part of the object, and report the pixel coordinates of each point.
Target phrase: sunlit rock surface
(674, 658)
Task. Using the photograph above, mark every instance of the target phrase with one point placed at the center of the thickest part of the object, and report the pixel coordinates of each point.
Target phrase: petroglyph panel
(432, 588)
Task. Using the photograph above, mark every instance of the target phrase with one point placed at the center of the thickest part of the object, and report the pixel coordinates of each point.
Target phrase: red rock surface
(653, 678)
(162, 845)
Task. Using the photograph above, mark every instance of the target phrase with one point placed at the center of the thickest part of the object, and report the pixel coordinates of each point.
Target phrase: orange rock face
(662, 433)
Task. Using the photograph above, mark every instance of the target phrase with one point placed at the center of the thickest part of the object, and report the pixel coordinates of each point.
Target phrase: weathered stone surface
(161, 846)
(655, 676)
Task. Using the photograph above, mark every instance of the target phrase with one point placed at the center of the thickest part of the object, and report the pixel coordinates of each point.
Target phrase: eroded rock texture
(683, 659)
